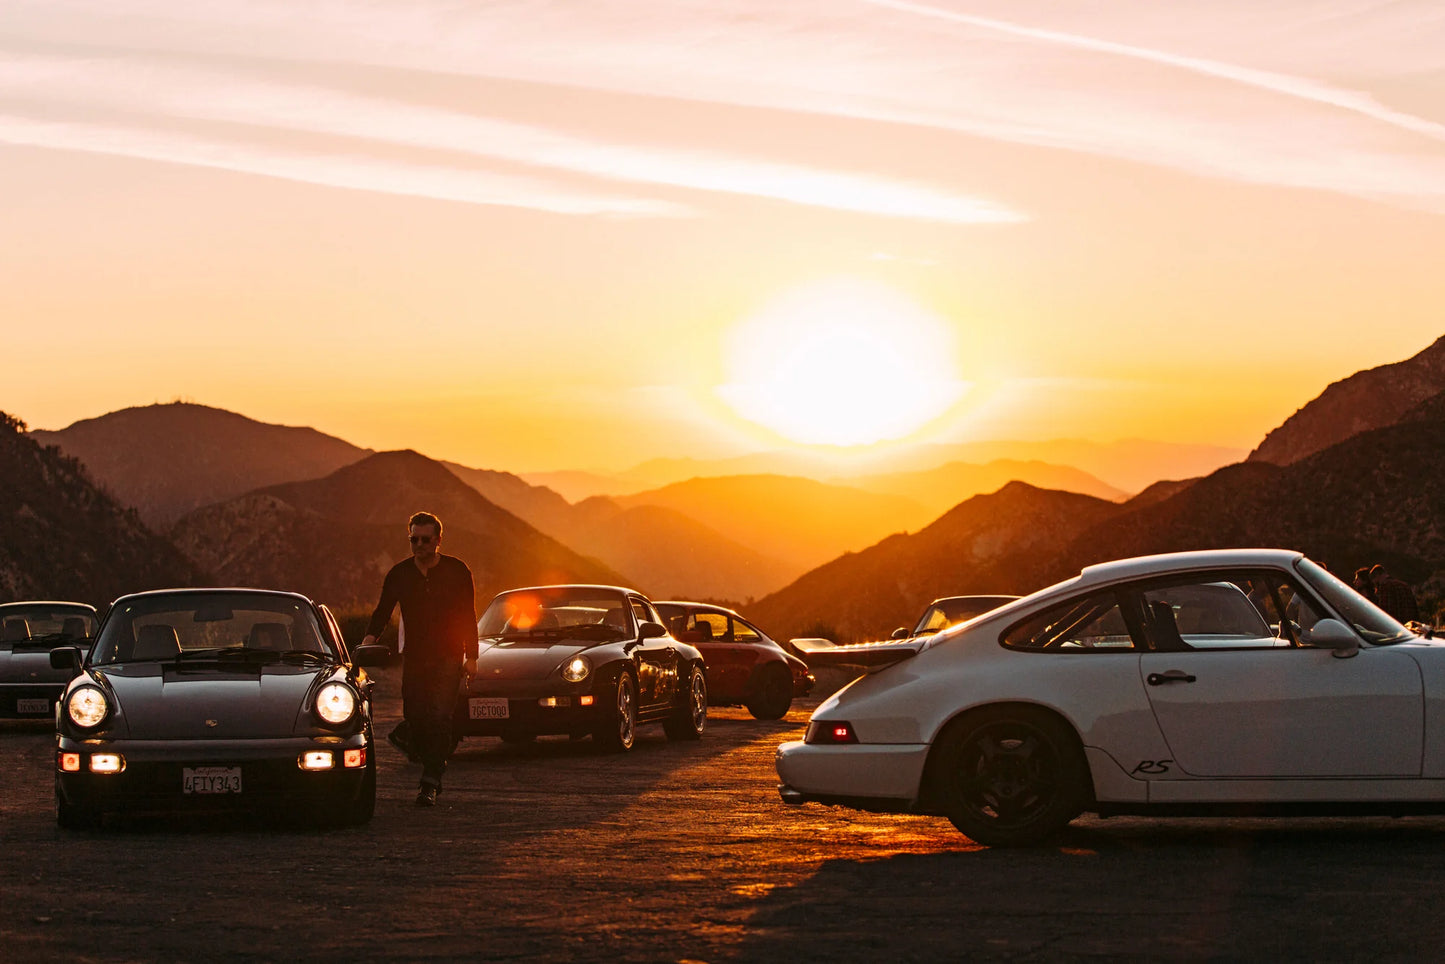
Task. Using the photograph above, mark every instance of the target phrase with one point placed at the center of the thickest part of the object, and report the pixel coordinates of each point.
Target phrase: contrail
(1300, 87)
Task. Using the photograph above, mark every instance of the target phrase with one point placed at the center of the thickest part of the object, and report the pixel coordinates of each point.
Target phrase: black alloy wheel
(773, 694)
(1009, 777)
(689, 718)
(618, 729)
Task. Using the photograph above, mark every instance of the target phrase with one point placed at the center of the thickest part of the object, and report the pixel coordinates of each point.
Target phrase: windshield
(58, 623)
(1373, 624)
(558, 612)
(194, 625)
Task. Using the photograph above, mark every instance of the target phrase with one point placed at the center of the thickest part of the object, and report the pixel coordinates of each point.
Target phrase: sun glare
(841, 362)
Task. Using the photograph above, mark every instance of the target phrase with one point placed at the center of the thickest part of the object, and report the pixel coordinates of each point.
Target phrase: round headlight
(87, 706)
(575, 670)
(335, 703)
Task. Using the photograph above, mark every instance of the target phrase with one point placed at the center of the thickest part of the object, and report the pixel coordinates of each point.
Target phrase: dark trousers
(428, 700)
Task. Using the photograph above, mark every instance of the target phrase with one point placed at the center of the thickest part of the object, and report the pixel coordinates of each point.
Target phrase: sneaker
(397, 738)
(426, 797)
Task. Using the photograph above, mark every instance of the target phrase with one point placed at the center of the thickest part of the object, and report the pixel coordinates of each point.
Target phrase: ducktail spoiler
(823, 652)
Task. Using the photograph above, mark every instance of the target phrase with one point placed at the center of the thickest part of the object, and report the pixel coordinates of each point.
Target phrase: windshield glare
(555, 611)
(1375, 626)
(155, 629)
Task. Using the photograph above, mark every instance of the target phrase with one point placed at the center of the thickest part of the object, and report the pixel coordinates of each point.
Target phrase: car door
(728, 660)
(1237, 694)
(658, 657)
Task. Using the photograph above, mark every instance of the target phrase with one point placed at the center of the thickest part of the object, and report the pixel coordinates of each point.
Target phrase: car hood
(158, 701)
(21, 663)
(525, 660)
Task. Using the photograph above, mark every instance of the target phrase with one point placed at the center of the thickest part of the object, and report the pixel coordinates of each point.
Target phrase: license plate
(32, 706)
(487, 708)
(211, 780)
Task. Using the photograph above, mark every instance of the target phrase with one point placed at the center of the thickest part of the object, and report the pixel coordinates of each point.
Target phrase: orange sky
(540, 235)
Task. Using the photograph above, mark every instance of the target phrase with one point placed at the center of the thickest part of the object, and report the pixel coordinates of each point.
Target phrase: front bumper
(533, 707)
(152, 780)
(884, 776)
(22, 701)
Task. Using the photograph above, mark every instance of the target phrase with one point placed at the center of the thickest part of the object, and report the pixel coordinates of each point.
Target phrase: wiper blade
(213, 653)
(303, 656)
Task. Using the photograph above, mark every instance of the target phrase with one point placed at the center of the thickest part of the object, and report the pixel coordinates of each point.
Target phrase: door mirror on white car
(1335, 635)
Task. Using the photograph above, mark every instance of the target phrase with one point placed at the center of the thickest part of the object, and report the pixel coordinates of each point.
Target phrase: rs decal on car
(1151, 767)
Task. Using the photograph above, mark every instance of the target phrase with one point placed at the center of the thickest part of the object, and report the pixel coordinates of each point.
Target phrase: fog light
(351, 759)
(585, 700)
(317, 760)
(106, 763)
(70, 762)
(554, 701)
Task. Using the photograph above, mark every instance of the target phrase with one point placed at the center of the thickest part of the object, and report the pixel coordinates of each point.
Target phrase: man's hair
(1378, 571)
(425, 519)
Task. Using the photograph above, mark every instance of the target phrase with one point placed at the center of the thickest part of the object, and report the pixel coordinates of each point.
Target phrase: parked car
(745, 666)
(196, 700)
(581, 660)
(950, 611)
(1220, 682)
(29, 685)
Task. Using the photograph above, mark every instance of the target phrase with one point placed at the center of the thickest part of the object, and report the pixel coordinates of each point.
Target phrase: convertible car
(1220, 682)
(215, 699)
(744, 665)
(581, 660)
(29, 685)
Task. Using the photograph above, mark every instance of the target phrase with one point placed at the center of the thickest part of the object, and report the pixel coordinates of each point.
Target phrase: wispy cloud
(156, 88)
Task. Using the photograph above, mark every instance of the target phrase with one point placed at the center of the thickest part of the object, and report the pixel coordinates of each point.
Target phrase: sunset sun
(841, 362)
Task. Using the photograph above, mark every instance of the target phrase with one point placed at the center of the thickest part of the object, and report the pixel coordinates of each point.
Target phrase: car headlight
(335, 703)
(575, 670)
(87, 706)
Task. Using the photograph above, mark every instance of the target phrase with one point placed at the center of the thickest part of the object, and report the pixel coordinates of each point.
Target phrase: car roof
(48, 602)
(575, 585)
(1186, 561)
(982, 595)
(198, 591)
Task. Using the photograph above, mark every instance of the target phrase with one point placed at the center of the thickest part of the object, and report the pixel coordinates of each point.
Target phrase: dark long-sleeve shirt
(439, 608)
(1395, 597)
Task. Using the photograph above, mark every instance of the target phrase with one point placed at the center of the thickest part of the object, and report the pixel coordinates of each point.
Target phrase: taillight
(830, 731)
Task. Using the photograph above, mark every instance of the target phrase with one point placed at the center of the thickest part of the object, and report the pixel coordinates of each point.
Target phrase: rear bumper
(888, 775)
(152, 780)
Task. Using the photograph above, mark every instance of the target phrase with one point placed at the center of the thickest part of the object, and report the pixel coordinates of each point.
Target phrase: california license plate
(211, 780)
(32, 706)
(487, 708)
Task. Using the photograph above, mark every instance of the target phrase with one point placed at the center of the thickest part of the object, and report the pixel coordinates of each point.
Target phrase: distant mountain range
(1373, 398)
(62, 537)
(334, 538)
(165, 460)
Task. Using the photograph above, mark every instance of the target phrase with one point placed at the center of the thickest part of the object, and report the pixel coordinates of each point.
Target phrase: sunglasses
(421, 540)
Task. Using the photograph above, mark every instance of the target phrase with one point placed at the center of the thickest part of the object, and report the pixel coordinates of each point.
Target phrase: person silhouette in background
(1364, 585)
(438, 606)
(1394, 596)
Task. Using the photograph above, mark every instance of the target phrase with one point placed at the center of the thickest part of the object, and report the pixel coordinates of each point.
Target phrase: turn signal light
(351, 759)
(830, 731)
(584, 701)
(70, 762)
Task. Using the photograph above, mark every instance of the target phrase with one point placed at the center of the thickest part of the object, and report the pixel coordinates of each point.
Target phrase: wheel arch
(927, 791)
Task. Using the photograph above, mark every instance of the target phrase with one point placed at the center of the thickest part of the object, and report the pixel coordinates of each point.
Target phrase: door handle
(1172, 676)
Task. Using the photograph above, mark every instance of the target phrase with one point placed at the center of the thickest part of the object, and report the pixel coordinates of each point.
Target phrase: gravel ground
(683, 852)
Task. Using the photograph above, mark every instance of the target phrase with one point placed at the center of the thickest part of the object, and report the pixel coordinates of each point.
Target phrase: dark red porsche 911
(745, 667)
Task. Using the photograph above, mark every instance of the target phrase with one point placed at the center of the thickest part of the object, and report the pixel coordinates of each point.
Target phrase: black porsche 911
(583, 661)
(215, 699)
(29, 685)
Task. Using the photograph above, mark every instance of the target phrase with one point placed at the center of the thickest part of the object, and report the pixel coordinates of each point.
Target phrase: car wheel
(689, 718)
(359, 811)
(772, 696)
(618, 730)
(1009, 777)
(69, 816)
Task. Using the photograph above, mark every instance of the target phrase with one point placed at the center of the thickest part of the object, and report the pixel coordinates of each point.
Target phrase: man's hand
(470, 665)
(368, 640)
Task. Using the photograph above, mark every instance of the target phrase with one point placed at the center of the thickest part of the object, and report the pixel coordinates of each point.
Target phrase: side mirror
(371, 655)
(900, 633)
(1335, 635)
(650, 630)
(65, 657)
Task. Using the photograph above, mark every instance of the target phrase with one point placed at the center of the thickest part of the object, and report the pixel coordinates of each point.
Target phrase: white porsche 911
(1246, 681)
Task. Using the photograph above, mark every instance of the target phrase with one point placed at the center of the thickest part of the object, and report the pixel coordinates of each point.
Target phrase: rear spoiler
(824, 652)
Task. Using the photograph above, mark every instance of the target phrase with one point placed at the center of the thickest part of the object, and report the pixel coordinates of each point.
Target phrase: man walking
(438, 607)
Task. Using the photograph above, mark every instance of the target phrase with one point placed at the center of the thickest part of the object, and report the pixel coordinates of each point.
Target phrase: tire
(689, 718)
(772, 695)
(69, 816)
(358, 812)
(1009, 777)
(618, 729)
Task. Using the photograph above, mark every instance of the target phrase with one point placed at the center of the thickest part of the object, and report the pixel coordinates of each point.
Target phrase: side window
(1254, 610)
(710, 626)
(644, 612)
(1092, 623)
(743, 633)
